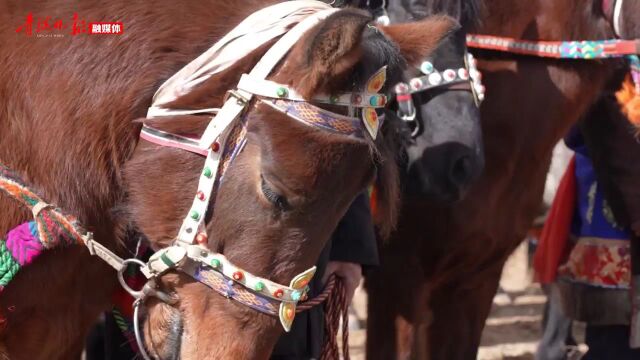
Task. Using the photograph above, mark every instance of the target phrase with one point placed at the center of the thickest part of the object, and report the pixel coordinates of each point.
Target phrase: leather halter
(467, 78)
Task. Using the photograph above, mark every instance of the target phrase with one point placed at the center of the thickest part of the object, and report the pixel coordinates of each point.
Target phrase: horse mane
(467, 12)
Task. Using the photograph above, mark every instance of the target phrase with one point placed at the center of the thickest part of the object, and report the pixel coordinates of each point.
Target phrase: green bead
(194, 215)
(333, 99)
(426, 68)
(282, 92)
(259, 286)
(215, 263)
(207, 172)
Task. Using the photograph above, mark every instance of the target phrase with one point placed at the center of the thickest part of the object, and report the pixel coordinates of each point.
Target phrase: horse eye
(276, 199)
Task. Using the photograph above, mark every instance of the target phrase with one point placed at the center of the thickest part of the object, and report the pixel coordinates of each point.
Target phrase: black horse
(439, 139)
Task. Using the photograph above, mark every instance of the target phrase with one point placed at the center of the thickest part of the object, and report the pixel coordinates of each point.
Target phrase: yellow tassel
(629, 100)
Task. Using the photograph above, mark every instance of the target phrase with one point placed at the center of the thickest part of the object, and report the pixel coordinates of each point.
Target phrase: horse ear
(327, 51)
(416, 40)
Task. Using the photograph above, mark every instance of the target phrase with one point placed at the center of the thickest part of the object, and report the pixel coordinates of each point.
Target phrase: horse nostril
(462, 171)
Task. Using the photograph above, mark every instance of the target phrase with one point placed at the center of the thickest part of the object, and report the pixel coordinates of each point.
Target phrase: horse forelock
(467, 12)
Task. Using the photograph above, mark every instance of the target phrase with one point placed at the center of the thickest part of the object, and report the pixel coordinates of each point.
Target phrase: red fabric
(552, 248)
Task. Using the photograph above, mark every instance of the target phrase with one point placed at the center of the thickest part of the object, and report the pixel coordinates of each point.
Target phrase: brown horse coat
(441, 267)
(67, 107)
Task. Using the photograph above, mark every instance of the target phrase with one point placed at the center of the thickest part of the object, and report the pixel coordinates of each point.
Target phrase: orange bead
(278, 293)
(201, 238)
(237, 276)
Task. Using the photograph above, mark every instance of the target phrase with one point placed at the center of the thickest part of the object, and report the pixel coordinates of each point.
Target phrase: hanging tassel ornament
(629, 95)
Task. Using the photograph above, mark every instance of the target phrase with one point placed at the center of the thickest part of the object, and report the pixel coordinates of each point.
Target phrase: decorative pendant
(376, 82)
(288, 309)
(370, 118)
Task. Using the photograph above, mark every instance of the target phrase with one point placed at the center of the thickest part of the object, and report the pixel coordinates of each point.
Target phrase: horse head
(288, 185)
(445, 153)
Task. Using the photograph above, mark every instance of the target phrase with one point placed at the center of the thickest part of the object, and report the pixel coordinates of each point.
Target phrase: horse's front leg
(459, 313)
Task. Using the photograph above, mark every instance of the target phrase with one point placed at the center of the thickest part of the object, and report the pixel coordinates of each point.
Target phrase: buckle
(241, 100)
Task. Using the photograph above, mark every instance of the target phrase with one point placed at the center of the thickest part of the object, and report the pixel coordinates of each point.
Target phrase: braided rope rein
(50, 228)
(336, 307)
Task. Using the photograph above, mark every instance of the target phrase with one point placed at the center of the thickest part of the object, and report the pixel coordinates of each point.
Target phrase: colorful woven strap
(24, 243)
(589, 49)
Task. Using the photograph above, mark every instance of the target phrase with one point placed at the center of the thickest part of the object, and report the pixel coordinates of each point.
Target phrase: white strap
(617, 11)
(264, 67)
(97, 249)
(254, 31)
(269, 61)
(37, 208)
(160, 111)
(271, 89)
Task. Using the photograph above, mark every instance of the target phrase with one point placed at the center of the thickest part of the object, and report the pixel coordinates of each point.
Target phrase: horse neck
(76, 131)
(543, 20)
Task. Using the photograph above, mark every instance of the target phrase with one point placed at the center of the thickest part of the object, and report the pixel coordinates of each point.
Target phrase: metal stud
(282, 92)
(426, 67)
(201, 239)
(435, 79)
(207, 172)
(402, 88)
(449, 75)
(238, 276)
(416, 84)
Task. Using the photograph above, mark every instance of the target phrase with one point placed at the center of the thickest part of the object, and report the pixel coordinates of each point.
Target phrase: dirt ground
(513, 328)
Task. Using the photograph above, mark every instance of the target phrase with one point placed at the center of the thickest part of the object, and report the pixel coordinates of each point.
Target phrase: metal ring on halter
(149, 288)
(136, 294)
(136, 330)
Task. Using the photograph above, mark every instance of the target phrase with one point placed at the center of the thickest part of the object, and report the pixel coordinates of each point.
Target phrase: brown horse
(66, 123)
(440, 270)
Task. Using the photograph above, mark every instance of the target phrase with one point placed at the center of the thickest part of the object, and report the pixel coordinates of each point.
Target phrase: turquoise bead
(282, 92)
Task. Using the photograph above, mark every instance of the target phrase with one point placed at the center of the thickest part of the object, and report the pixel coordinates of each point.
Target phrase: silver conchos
(476, 79)
(435, 78)
(427, 68)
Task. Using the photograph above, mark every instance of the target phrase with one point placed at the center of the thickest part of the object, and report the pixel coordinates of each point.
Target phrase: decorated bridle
(223, 140)
(584, 50)
(466, 78)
